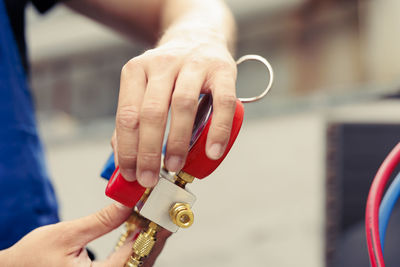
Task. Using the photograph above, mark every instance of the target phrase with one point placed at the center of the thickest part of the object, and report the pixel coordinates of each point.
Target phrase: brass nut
(185, 177)
(133, 262)
(181, 215)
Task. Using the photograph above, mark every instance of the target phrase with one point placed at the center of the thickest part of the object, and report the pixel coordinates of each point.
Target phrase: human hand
(63, 244)
(172, 75)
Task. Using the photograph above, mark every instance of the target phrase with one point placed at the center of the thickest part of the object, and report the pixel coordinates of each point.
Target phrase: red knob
(197, 163)
(127, 193)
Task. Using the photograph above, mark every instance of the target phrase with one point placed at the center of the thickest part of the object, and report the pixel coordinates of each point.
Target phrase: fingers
(132, 88)
(183, 111)
(95, 225)
(153, 117)
(222, 86)
(147, 83)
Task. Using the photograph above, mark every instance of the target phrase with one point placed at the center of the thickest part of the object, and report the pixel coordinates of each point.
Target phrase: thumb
(100, 223)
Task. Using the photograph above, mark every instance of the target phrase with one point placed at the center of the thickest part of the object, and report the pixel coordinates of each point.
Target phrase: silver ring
(270, 73)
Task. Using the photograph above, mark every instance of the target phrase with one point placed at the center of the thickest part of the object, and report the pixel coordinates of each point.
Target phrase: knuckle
(149, 52)
(223, 66)
(150, 157)
(223, 129)
(104, 218)
(128, 117)
(131, 66)
(177, 144)
(195, 62)
(164, 59)
(226, 101)
(152, 112)
(178, 147)
(184, 102)
(127, 159)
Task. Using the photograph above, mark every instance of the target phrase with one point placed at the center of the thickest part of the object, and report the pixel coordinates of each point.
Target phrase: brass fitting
(123, 237)
(132, 224)
(133, 262)
(143, 245)
(182, 178)
(181, 215)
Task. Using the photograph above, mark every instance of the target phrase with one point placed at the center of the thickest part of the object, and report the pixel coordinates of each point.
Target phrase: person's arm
(150, 19)
(63, 244)
(192, 56)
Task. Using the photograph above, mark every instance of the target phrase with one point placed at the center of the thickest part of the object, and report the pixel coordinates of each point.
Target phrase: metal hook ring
(270, 73)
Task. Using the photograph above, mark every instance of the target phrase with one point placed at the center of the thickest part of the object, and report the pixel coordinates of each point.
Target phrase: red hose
(372, 210)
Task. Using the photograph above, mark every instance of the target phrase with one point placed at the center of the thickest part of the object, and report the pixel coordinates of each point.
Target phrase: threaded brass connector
(181, 215)
(143, 245)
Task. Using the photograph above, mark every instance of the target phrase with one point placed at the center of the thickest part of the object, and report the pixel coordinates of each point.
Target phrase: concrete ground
(262, 207)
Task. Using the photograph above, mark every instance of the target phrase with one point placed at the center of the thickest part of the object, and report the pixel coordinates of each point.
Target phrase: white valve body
(164, 196)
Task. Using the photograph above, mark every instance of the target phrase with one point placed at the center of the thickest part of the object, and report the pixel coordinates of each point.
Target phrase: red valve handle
(197, 163)
(127, 193)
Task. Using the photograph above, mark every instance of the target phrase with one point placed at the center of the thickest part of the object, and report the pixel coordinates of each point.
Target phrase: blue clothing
(109, 167)
(27, 198)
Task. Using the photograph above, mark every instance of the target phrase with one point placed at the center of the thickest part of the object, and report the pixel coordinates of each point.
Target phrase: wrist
(194, 35)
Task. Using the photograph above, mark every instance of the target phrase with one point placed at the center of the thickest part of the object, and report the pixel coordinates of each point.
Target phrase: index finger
(132, 87)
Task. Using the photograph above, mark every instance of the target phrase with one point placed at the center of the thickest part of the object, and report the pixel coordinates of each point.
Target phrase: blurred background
(279, 197)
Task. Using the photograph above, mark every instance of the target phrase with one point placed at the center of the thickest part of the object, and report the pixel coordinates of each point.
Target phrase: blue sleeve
(108, 168)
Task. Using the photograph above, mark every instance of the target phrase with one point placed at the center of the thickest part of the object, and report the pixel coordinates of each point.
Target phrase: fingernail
(129, 174)
(174, 163)
(215, 151)
(148, 178)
